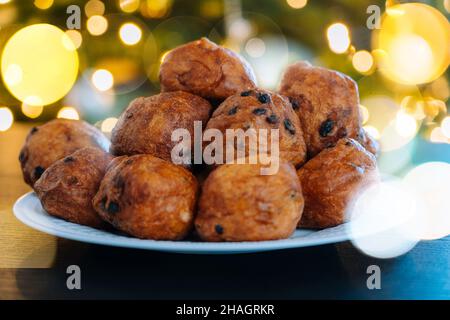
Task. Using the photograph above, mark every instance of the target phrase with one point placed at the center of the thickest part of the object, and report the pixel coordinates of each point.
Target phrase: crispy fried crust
(67, 187)
(332, 179)
(239, 204)
(205, 69)
(326, 102)
(146, 126)
(148, 198)
(262, 109)
(54, 140)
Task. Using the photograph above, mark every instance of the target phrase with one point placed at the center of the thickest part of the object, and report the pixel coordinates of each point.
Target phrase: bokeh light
(338, 37)
(437, 136)
(31, 111)
(39, 61)
(94, 7)
(415, 40)
(130, 34)
(43, 4)
(97, 25)
(429, 183)
(372, 131)
(297, 4)
(405, 124)
(155, 8)
(108, 124)
(102, 79)
(445, 125)
(362, 61)
(381, 219)
(76, 37)
(68, 113)
(255, 47)
(129, 6)
(6, 118)
(365, 115)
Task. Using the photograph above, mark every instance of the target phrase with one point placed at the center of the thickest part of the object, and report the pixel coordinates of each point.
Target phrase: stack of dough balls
(137, 184)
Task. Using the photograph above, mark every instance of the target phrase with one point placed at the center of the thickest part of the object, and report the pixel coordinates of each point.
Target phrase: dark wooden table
(33, 265)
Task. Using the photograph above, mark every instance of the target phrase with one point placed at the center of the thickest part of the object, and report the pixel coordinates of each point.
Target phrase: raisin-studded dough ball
(54, 140)
(67, 187)
(332, 179)
(205, 69)
(148, 198)
(326, 102)
(239, 204)
(261, 109)
(146, 126)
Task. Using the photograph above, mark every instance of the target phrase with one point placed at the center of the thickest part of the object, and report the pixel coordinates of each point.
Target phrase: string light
(129, 6)
(76, 37)
(362, 61)
(445, 126)
(130, 34)
(255, 47)
(108, 124)
(102, 79)
(338, 37)
(94, 7)
(39, 64)
(97, 25)
(68, 113)
(297, 4)
(31, 111)
(43, 4)
(6, 118)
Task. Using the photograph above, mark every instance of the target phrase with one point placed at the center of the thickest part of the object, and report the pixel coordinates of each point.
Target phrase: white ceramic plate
(28, 209)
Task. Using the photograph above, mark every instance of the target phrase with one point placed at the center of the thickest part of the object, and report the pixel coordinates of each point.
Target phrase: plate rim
(22, 213)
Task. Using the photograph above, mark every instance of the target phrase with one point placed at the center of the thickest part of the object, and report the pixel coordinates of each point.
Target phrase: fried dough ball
(146, 126)
(205, 69)
(67, 187)
(326, 102)
(148, 198)
(239, 204)
(260, 109)
(55, 140)
(332, 179)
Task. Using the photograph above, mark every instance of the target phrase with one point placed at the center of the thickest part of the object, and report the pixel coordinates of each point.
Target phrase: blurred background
(112, 51)
(89, 59)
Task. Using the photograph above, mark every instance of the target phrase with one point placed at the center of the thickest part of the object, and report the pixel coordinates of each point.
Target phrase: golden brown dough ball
(326, 102)
(332, 179)
(205, 69)
(146, 126)
(239, 204)
(148, 198)
(261, 109)
(67, 187)
(54, 140)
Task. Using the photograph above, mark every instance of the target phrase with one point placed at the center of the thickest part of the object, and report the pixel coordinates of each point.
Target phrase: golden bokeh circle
(39, 64)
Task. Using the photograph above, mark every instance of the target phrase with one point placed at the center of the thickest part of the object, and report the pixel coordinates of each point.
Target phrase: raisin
(22, 156)
(326, 127)
(263, 98)
(129, 161)
(272, 119)
(72, 180)
(69, 159)
(38, 171)
(294, 103)
(259, 111)
(289, 126)
(219, 229)
(129, 115)
(113, 207)
(246, 93)
(33, 130)
(232, 111)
